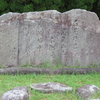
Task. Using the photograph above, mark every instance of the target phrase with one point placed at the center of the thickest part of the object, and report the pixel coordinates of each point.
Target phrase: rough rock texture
(51, 87)
(71, 38)
(17, 93)
(86, 91)
(18, 70)
(22, 93)
(94, 99)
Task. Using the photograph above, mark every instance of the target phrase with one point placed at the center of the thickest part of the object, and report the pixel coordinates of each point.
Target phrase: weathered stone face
(51, 87)
(39, 38)
(86, 91)
(70, 38)
(21, 93)
(9, 29)
(82, 38)
(17, 93)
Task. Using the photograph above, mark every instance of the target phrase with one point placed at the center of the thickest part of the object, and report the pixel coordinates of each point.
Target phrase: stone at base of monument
(94, 99)
(86, 91)
(51, 87)
(17, 70)
(21, 93)
(17, 93)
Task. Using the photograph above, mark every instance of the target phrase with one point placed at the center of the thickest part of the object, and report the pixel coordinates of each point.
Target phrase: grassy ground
(57, 65)
(8, 82)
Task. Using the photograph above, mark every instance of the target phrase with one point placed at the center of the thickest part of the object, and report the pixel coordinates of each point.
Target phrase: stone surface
(51, 87)
(9, 30)
(22, 93)
(86, 91)
(17, 93)
(18, 70)
(50, 71)
(95, 99)
(71, 38)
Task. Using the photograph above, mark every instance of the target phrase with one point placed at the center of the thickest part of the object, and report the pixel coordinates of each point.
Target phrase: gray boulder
(95, 99)
(70, 38)
(18, 70)
(17, 93)
(51, 87)
(86, 91)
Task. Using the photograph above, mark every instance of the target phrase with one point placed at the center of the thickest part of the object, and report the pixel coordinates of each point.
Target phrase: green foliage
(16, 6)
(37, 1)
(96, 7)
(3, 5)
(82, 4)
(21, 1)
(40, 5)
(28, 8)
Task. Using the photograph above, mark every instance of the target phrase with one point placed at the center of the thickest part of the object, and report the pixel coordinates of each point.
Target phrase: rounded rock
(51, 87)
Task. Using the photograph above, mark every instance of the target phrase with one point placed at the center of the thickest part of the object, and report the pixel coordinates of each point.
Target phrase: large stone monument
(70, 38)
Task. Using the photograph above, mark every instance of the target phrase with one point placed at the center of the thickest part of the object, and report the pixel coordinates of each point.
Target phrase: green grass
(8, 82)
(58, 65)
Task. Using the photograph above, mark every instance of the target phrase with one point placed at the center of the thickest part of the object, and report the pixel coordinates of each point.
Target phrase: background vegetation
(40, 5)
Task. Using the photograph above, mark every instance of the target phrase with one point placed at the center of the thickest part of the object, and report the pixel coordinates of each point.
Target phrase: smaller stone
(51, 87)
(86, 91)
(94, 99)
(17, 93)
